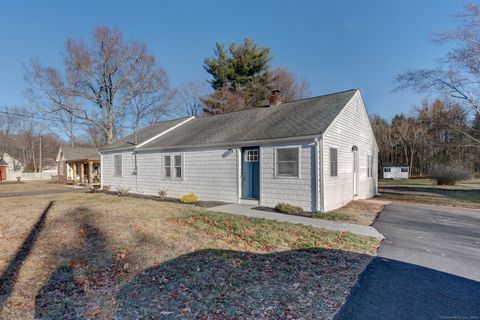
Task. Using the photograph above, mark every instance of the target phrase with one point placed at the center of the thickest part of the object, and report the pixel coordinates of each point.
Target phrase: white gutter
(164, 132)
(231, 144)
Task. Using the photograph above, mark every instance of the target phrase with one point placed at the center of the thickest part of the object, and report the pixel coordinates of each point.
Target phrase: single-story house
(78, 164)
(395, 171)
(317, 153)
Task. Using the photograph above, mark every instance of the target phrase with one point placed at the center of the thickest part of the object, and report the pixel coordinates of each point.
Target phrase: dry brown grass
(90, 257)
(28, 186)
(364, 212)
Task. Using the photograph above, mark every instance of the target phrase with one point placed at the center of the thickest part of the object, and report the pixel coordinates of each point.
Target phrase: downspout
(320, 180)
(317, 174)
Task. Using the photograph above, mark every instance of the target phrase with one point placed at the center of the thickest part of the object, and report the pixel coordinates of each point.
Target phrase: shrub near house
(288, 208)
(189, 198)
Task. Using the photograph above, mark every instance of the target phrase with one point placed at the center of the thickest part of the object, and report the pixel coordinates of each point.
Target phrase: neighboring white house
(395, 171)
(15, 167)
(318, 153)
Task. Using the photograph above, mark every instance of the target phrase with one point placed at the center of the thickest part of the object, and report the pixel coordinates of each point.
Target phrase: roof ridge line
(164, 132)
(283, 103)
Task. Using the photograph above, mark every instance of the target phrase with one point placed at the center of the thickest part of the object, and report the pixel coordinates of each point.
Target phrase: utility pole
(40, 155)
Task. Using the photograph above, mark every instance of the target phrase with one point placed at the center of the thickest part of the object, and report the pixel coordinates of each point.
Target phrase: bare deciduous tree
(290, 86)
(410, 134)
(191, 95)
(458, 74)
(102, 82)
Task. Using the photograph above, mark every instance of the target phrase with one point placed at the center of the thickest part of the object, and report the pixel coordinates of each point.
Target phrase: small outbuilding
(3, 169)
(395, 171)
(78, 164)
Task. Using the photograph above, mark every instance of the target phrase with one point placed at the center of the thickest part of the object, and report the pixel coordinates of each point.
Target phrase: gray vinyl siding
(211, 174)
(214, 175)
(351, 127)
(298, 191)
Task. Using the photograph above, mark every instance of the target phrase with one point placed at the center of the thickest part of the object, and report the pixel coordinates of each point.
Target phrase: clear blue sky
(335, 45)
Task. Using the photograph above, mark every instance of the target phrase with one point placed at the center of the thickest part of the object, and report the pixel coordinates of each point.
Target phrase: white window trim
(115, 167)
(275, 156)
(172, 166)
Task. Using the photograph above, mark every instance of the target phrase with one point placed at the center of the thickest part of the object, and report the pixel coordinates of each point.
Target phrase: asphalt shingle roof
(304, 117)
(292, 119)
(80, 153)
(144, 134)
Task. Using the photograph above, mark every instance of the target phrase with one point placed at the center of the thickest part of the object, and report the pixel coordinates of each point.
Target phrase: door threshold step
(250, 201)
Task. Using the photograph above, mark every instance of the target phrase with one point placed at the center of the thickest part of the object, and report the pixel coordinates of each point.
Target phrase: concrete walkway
(247, 210)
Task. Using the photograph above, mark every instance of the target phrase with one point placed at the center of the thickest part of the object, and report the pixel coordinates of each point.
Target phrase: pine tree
(240, 75)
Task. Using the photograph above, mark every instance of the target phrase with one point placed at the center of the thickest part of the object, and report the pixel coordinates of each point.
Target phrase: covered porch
(83, 171)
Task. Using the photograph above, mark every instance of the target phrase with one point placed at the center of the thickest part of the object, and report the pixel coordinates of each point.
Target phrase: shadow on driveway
(390, 289)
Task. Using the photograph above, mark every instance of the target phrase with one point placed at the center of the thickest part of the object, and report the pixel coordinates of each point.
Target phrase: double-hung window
(178, 166)
(173, 166)
(117, 165)
(167, 166)
(404, 170)
(333, 162)
(287, 162)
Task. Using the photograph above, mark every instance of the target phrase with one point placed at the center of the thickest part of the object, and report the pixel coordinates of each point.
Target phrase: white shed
(395, 171)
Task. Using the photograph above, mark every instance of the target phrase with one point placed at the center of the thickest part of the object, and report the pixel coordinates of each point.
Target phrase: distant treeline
(437, 133)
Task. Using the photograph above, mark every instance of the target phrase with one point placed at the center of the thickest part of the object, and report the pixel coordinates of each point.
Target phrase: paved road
(428, 267)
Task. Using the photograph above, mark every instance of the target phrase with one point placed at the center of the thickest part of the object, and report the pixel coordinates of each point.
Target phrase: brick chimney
(275, 98)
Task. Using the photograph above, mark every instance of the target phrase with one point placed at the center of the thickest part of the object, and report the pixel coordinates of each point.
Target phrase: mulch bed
(200, 203)
(307, 214)
(11, 182)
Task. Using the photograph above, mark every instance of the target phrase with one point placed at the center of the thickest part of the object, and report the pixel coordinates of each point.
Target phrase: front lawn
(103, 256)
(465, 194)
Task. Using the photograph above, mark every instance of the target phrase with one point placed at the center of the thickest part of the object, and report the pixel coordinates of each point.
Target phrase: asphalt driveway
(428, 267)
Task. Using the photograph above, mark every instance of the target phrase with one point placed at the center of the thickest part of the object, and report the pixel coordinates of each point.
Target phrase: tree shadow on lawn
(223, 284)
(64, 296)
(210, 283)
(9, 277)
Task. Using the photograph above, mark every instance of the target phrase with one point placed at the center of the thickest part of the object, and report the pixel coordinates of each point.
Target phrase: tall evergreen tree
(240, 76)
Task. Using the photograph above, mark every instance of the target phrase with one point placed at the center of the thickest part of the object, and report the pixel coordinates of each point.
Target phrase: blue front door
(250, 172)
